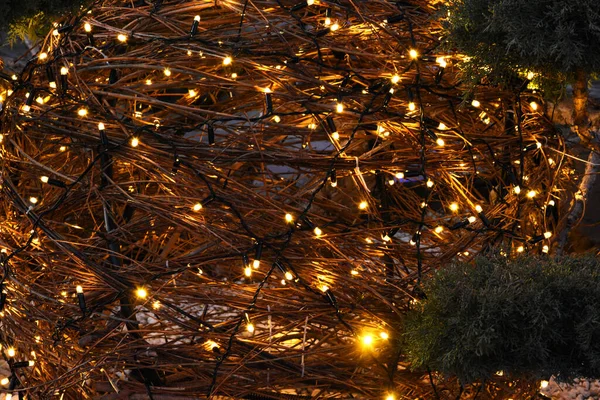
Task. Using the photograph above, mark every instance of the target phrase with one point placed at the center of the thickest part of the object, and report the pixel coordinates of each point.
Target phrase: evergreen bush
(529, 317)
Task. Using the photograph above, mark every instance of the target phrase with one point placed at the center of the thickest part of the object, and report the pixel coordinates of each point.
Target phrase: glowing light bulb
(79, 289)
(64, 71)
(250, 327)
(390, 397)
(277, 119)
(11, 352)
(413, 53)
(82, 112)
(101, 126)
(517, 189)
(310, 2)
(442, 126)
(87, 27)
(141, 293)
(440, 142)
(289, 276)
(197, 18)
(156, 304)
(547, 235)
(411, 106)
(545, 249)
(533, 105)
(44, 179)
(335, 27)
(233, 76)
(289, 218)
(454, 207)
(256, 264)
(384, 335)
(441, 62)
(4, 381)
(400, 175)
(33, 200)
(354, 272)
(471, 219)
(39, 100)
(339, 108)
(335, 135)
(429, 183)
(248, 271)
(475, 103)
(363, 205)
(26, 108)
(334, 184)
(318, 232)
(395, 79)
(148, 81)
(478, 208)
(167, 72)
(367, 340)
(43, 56)
(135, 142)
(62, 148)
(327, 21)
(531, 194)
(122, 37)
(227, 60)
(197, 207)
(52, 85)
(439, 229)
(192, 93)
(520, 249)
(544, 384)
(551, 203)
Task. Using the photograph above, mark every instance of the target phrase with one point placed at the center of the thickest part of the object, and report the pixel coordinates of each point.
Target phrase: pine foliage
(529, 317)
(551, 37)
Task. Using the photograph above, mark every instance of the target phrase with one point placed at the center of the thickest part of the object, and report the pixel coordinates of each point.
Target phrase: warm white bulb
(82, 112)
(544, 384)
(256, 264)
(135, 142)
(471, 219)
(167, 72)
(33, 200)
(531, 194)
(429, 183)
(335, 136)
(43, 56)
(289, 217)
(4, 381)
(44, 179)
(101, 126)
(363, 205)
(439, 229)
(395, 79)
(248, 271)
(250, 327)
(141, 293)
(87, 27)
(454, 206)
(339, 107)
(411, 106)
(192, 93)
(11, 352)
(475, 103)
(64, 70)
(227, 60)
(517, 189)
(441, 62)
(440, 142)
(478, 208)
(367, 340)
(335, 27)
(122, 37)
(400, 175)
(289, 276)
(547, 235)
(79, 289)
(197, 18)
(318, 231)
(533, 105)
(384, 335)
(413, 53)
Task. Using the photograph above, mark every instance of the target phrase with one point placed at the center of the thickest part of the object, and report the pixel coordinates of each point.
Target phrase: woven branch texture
(239, 198)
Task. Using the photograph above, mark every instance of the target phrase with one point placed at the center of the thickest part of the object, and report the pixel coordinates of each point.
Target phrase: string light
(413, 53)
(531, 194)
(167, 72)
(411, 106)
(197, 207)
(227, 60)
(318, 232)
(395, 79)
(339, 108)
(476, 103)
(250, 327)
(11, 351)
(87, 27)
(363, 205)
(454, 207)
(289, 218)
(122, 37)
(141, 293)
(135, 142)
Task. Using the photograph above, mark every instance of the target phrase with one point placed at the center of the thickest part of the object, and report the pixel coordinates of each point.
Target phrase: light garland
(250, 196)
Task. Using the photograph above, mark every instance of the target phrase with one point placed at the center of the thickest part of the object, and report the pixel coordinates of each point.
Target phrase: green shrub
(529, 317)
(32, 18)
